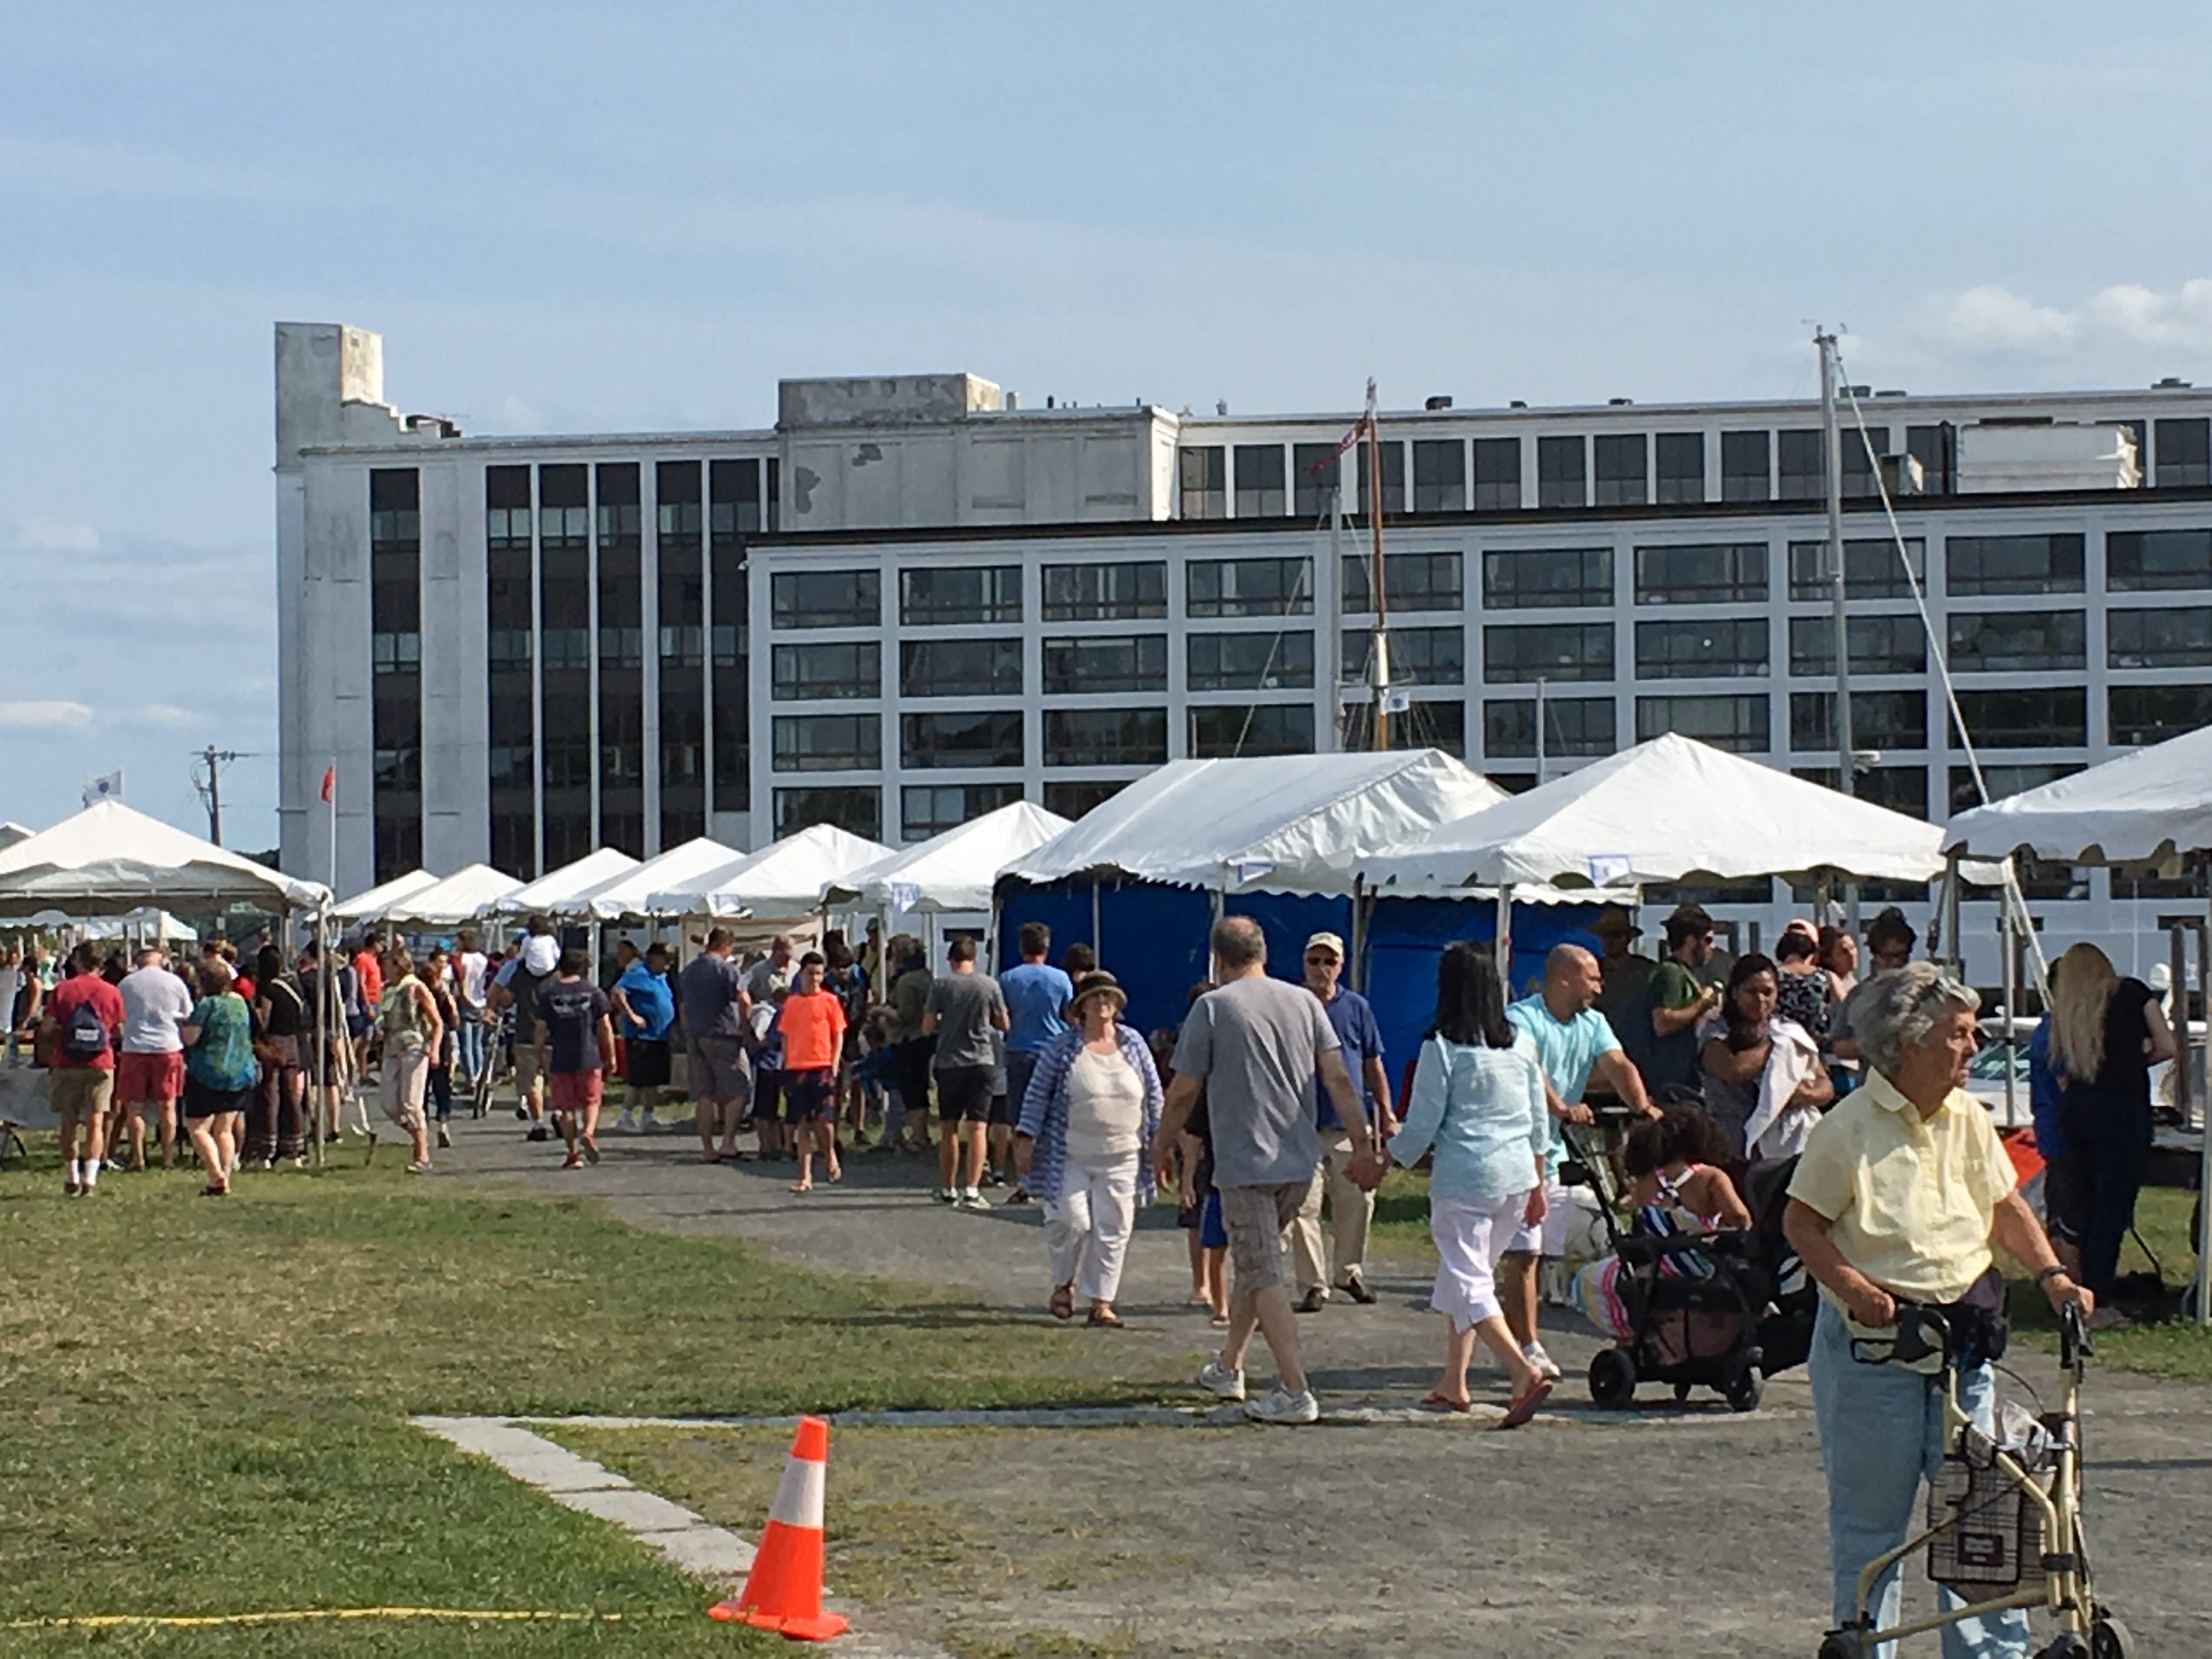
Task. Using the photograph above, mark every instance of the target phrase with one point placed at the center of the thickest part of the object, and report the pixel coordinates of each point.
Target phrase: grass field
(203, 1404)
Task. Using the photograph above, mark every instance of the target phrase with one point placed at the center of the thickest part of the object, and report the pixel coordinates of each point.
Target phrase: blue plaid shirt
(1044, 1111)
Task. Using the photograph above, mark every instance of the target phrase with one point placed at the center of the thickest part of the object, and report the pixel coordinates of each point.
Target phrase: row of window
(740, 498)
(1712, 572)
(2037, 717)
(1628, 469)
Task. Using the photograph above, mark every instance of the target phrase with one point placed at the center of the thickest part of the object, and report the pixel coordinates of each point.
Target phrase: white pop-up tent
(949, 872)
(370, 903)
(108, 859)
(786, 878)
(447, 903)
(1285, 824)
(1659, 812)
(567, 885)
(2153, 806)
(633, 892)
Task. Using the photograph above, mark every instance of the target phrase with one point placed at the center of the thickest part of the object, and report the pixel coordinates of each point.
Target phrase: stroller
(1720, 1311)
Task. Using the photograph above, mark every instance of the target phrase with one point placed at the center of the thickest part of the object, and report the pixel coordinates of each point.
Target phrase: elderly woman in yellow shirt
(1904, 1192)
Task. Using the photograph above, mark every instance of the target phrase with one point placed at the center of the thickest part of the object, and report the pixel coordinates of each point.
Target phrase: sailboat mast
(1378, 650)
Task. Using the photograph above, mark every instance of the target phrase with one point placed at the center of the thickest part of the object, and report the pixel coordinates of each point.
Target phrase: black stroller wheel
(1613, 1379)
(1841, 1644)
(2109, 1639)
(1743, 1390)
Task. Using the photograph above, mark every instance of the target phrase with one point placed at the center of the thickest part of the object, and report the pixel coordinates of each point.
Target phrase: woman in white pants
(1477, 1099)
(1084, 1146)
(413, 1033)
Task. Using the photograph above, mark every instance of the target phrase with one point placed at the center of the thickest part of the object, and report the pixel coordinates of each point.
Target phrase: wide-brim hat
(1615, 919)
(1095, 981)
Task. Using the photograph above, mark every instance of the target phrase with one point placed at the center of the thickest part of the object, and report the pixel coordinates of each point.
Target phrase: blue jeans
(468, 1039)
(1882, 1432)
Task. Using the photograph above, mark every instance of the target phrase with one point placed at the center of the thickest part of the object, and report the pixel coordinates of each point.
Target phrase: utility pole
(1832, 451)
(215, 760)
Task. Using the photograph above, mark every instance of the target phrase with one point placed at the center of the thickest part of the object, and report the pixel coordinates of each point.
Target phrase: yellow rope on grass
(185, 1621)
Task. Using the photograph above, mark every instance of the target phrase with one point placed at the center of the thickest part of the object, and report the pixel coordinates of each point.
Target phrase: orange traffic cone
(783, 1592)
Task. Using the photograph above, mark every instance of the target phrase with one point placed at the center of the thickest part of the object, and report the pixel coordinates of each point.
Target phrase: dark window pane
(1936, 449)
(1681, 466)
(1561, 469)
(1440, 474)
(2180, 637)
(1872, 568)
(1725, 647)
(1542, 577)
(2034, 717)
(826, 599)
(1421, 724)
(1999, 641)
(1572, 726)
(1622, 462)
(1859, 471)
(1737, 723)
(1900, 788)
(1719, 572)
(1250, 662)
(1316, 470)
(2184, 453)
(2150, 561)
(1203, 474)
(1267, 728)
(734, 505)
(828, 742)
(968, 595)
(1105, 593)
(1422, 656)
(1497, 475)
(1880, 719)
(960, 668)
(931, 809)
(1105, 736)
(1746, 463)
(1248, 587)
(855, 808)
(2005, 781)
(803, 673)
(1072, 796)
(1393, 476)
(1410, 581)
(971, 738)
(1260, 491)
(2152, 714)
(1547, 651)
(1106, 662)
(1880, 645)
(2012, 564)
(1803, 472)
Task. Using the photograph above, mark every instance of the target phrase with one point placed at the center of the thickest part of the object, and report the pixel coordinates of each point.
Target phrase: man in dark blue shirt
(1351, 1209)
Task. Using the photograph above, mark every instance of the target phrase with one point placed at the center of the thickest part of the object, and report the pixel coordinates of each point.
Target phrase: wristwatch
(2055, 1270)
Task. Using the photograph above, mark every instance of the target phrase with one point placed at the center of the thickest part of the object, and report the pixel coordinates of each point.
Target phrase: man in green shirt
(1676, 999)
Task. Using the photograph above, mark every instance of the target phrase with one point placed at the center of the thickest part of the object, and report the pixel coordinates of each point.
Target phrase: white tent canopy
(108, 859)
(951, 872)
(12, 832)
(567, 885)
(2149, 807)
(462, 896)
(1662, 811)
(1285, 824)
(784, 878)
(633, 893)
(370, 903)
(136, 924)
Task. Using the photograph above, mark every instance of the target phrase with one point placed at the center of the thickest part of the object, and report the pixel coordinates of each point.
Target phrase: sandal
(802, 1186)
(1444, 1402)
(1104, 1319)
(1062, 1305)
(1524, 1407)
(206, 1192)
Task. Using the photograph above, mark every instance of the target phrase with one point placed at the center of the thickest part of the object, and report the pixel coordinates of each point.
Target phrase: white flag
(905, 895)
(1396, 699)
(107, 788)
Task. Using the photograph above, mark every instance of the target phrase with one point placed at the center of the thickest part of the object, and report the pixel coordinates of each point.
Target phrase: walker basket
(1992, 1536)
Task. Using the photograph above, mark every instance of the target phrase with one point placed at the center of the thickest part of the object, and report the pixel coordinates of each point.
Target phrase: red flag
(1358, 432)
(329, 784)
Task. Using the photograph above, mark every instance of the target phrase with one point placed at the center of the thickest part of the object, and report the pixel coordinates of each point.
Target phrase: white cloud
(56, 715)
(55, 536)
(161, 713)
(1994, 319)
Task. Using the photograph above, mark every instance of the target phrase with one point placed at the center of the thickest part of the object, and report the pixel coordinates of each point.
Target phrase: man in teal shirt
(1572, 1040)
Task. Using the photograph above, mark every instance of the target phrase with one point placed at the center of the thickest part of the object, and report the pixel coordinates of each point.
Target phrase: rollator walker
(2004, 1524)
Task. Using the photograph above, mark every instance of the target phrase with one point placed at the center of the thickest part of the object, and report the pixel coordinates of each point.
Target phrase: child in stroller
(1700, 1290)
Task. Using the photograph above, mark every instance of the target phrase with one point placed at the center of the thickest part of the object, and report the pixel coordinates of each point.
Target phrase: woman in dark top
(275, 1128)
(2106, 1033)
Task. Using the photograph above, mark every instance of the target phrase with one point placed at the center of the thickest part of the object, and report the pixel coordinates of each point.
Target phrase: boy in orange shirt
(812, 1023)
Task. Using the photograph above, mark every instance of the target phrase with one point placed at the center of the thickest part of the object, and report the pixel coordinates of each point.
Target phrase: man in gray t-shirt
(964, 1008)
(1261, 1048)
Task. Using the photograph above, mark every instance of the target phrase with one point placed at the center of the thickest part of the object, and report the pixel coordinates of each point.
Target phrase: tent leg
(2011, 982)
(1358, 963)
(1504, 944)
(2204, 1104)
(324, 989)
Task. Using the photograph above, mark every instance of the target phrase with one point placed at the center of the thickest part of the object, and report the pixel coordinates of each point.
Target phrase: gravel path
(1670, 1530)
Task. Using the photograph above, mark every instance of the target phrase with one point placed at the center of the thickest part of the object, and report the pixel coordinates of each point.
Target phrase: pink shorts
(156, 1079)
(574, 1090)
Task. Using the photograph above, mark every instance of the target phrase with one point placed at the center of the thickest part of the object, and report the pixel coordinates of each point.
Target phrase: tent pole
(2011, 980)
(1954, 948)
(1358, 963)
(2204, 1100)
(1503, 944)
(320, 1032)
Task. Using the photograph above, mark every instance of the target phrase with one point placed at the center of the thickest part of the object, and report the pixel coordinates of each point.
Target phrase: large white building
(911, 601)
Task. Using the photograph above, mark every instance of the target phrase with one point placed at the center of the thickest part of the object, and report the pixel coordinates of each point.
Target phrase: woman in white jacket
(1763, 1082)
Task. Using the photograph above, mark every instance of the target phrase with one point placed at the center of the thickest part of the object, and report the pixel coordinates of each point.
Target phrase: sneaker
(420, 1166)
(945, 1195)
(590, 1148)
(625, 1125)
(521, 1113)
(1356, 1288)
(1547, 1367)
(1313, 1301)
(1218, 1380)
(972, 1200)
(648, 1125)
(573, 1161)
(1280, 1405)
(537, 1132)
(444, 1139)
(993, 1178)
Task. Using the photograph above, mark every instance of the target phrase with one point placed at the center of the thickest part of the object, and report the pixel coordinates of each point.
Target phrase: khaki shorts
(80, 1091)
(529, 1068)
(1254, 1217)
(718, 1071)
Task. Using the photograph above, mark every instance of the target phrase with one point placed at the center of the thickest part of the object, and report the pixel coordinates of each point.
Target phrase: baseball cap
(1329, 942)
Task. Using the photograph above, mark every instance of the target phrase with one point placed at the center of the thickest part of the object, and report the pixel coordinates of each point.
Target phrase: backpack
(84, 1034)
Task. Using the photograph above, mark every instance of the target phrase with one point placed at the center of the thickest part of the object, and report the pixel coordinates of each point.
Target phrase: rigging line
(1251, 709)
(2014, 900)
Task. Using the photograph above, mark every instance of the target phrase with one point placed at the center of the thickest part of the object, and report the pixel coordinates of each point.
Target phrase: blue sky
(596, 218)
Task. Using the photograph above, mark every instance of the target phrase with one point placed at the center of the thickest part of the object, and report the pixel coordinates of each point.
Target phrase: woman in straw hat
(1083, 1145)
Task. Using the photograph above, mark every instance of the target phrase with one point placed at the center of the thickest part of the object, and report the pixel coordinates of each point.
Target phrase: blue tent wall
(1153, 939)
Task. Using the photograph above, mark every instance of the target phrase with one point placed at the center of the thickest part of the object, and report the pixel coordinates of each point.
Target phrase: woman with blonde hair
(2106, 1032)
(413, 1033)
